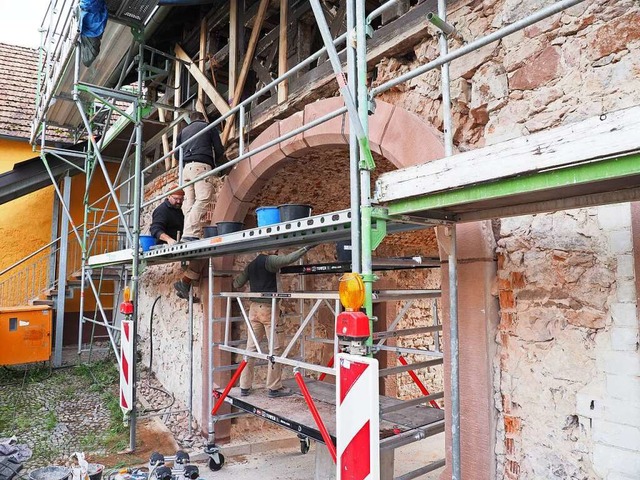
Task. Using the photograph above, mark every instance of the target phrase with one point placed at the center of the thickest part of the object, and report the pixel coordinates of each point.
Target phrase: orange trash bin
(25, 334)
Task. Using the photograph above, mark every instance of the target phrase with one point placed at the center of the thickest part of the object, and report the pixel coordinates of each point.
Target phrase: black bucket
(343, 250)
(291, 211)
(51, 473)
(210, 231)
(229, 227)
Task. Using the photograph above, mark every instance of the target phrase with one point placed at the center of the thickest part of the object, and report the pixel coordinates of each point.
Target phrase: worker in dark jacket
(167, 220)
(261, 273)
(200, 155)
(166, 224)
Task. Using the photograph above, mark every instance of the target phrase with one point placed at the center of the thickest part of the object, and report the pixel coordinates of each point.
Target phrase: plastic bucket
(267, 215)
(229, 227)
(146, 242)
(95, 471)
(51, 473)
(210, 231)
(291, 211)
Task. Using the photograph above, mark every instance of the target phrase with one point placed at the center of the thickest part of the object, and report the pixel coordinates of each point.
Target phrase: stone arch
(404, 139)
(396, 134)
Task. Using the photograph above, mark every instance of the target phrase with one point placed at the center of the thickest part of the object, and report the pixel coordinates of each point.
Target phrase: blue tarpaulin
(93, 17)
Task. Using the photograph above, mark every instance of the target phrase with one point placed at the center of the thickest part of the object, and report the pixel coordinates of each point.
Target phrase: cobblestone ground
(54, 413)
(61, 412)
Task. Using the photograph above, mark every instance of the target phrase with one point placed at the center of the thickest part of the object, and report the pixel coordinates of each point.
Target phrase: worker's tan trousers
(196, 198)
(260, 319)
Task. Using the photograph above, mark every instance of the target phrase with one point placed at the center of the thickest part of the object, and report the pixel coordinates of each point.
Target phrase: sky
(20, 21)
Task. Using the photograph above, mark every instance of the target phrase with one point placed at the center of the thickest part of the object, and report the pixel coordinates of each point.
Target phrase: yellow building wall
(25, 223)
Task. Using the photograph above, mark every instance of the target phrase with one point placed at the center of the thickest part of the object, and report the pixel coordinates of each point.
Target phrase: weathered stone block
(537, 71)
(620, 242)
(614, 36)
(615, 217)
(625, 266)
(623, 387)
(619, 362)
(617, 435)
(624, 314)
(624, 338)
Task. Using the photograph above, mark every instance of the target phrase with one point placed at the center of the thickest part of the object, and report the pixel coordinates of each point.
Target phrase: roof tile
(18, 78)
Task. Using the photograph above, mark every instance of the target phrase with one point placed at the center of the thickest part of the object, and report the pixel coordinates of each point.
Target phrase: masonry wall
(566, 373)
(566, 367)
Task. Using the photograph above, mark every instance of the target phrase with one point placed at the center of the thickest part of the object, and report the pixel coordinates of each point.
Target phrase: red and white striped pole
(126, 358)
(357, 418)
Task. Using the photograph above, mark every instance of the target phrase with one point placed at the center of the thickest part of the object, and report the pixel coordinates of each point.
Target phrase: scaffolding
(365, 223)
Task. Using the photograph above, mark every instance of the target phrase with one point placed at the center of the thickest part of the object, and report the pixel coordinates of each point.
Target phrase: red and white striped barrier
(126, 367)
(357, 418)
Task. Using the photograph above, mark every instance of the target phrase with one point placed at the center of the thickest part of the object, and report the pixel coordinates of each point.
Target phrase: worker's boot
(281, 392)
(182, 291)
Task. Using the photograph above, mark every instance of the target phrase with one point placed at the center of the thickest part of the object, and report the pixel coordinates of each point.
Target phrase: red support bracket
(417, 381)
(316, 416)
(230, 385)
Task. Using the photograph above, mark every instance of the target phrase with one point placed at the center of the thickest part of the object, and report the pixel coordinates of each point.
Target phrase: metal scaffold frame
(368, 224)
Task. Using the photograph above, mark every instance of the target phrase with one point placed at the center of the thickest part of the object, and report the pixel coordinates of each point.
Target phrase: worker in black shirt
(200, 155)
(166, 224)
(167, 220)
(261, 273)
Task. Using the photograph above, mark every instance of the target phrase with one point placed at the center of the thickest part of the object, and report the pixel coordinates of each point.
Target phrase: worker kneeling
(261, 273)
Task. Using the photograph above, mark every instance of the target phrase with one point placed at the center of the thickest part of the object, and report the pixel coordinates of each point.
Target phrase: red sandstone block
(408, 140)
(244, 184)
(378, 124)
(330, 133)
(295, 146)
(266, 163)
(228, 207)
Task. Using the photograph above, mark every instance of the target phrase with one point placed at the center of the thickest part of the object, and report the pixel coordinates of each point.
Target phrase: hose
(162, 390)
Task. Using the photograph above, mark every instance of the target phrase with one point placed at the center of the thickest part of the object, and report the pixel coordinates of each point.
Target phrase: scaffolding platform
(324, 228)
(293, 413)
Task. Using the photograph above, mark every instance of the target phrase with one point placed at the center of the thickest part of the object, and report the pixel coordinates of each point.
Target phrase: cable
(173, 398)
(151, 333)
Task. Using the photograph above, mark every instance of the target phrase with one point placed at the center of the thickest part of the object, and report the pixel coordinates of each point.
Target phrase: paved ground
(290, 464)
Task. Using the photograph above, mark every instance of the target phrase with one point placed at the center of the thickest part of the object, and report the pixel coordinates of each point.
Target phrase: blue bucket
(267, 215)
(146, 242)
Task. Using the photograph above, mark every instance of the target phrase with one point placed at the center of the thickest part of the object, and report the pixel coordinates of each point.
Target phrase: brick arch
(404, 139)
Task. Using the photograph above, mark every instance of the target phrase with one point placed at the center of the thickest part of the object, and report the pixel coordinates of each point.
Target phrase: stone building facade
(557, 336)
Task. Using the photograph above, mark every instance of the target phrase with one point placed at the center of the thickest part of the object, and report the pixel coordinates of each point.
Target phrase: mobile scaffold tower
(67, 100)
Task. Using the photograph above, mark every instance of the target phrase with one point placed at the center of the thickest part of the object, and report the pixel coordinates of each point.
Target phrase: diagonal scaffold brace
(347, 94)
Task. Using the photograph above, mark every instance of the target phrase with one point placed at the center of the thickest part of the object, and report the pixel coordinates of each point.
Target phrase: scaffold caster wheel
(216, 461)
(305, 444)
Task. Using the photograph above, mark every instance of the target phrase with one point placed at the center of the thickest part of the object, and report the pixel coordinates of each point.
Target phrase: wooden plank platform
(592, 162)
(293, 413)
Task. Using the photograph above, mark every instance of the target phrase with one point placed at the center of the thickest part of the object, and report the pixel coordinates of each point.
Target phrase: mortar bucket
(229, 227)
(210, 231)
(51, 473)
(291, 211)
(267, 216)
(146, 242)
